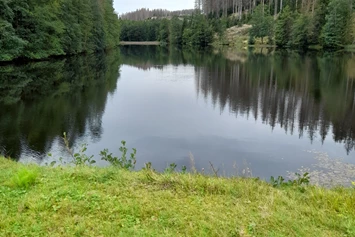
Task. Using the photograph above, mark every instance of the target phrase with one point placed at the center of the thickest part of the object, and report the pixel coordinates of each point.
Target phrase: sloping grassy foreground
(88, 201)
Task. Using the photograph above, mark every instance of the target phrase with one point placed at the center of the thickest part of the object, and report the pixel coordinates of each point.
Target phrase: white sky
(123, 6)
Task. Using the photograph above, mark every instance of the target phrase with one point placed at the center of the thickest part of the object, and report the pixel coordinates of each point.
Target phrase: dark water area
(267, 111)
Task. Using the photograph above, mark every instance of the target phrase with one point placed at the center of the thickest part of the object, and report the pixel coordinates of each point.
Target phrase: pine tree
(38, 29)
(299, 32)
(262, 23)
(283, 27)
(335, 32)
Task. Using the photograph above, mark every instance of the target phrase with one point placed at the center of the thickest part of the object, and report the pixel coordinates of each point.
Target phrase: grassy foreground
(89, 201)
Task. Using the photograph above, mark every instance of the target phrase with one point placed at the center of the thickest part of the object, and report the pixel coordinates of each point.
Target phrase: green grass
(89, 201)
(24, 178)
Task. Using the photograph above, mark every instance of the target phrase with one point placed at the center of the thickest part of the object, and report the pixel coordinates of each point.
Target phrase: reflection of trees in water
(145, 57)
(39, 101)
(308, 94)
(311, 94)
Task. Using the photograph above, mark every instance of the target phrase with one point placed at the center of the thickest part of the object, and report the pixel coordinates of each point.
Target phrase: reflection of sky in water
(160, 113)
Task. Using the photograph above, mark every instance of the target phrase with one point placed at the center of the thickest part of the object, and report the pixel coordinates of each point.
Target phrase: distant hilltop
(145, 13)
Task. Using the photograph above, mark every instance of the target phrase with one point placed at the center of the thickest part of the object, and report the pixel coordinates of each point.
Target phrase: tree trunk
(275, 10)
(281, 5)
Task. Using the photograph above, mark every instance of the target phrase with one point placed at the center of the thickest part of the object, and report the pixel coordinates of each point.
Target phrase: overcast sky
(123, 6)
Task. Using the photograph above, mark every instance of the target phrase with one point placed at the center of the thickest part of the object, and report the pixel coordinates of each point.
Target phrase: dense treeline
(38, 29)
(328, 23)
(297, 23)
(194, 30)
(140, 30)
(285, 23)
(144, 14)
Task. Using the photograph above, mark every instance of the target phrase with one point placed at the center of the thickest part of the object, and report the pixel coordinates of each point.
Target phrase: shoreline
(139, 43)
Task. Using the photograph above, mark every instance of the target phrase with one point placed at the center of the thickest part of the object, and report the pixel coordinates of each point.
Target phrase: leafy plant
(278, 182)
(122, 162)
(171, 168)
(148, 166)
(79, 158)
(24, 178)
(299, 181)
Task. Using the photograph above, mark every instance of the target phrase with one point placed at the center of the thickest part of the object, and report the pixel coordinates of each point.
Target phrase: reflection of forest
(311, 94)
(305, 93)
(39, 101)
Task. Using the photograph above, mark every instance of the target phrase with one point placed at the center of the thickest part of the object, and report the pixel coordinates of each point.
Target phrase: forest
(194, 30)
(284, 23)
(144, 14)
(34, 29)
(37, 29)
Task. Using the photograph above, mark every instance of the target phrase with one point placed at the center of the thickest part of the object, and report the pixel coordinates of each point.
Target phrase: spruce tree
(283, 27)
(262, 23)
(335, 32)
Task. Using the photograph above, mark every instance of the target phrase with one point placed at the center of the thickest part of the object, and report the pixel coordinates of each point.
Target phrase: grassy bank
(89, 201)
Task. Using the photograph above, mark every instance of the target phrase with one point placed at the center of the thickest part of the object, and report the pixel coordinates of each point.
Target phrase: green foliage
(164, 31)
(317, 21)
(24, 178)
(262, 23)
(140, 30)
(11, 45)
(299, 181)
(198, 31)
(299, 32)
(36, 29)
(328, 23)
(283, 27)
(123, 162)
(153, 204)
(195, 30)
(176, 31)
(335, 32)
(79, 158)
(171, 168)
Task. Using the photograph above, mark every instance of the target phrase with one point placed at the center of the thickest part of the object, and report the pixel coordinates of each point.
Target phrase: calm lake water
(262, 110)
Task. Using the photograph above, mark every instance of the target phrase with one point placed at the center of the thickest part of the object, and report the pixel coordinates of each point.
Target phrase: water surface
(262, 110)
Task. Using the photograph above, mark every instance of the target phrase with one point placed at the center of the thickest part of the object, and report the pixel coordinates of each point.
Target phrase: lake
(258, 113)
